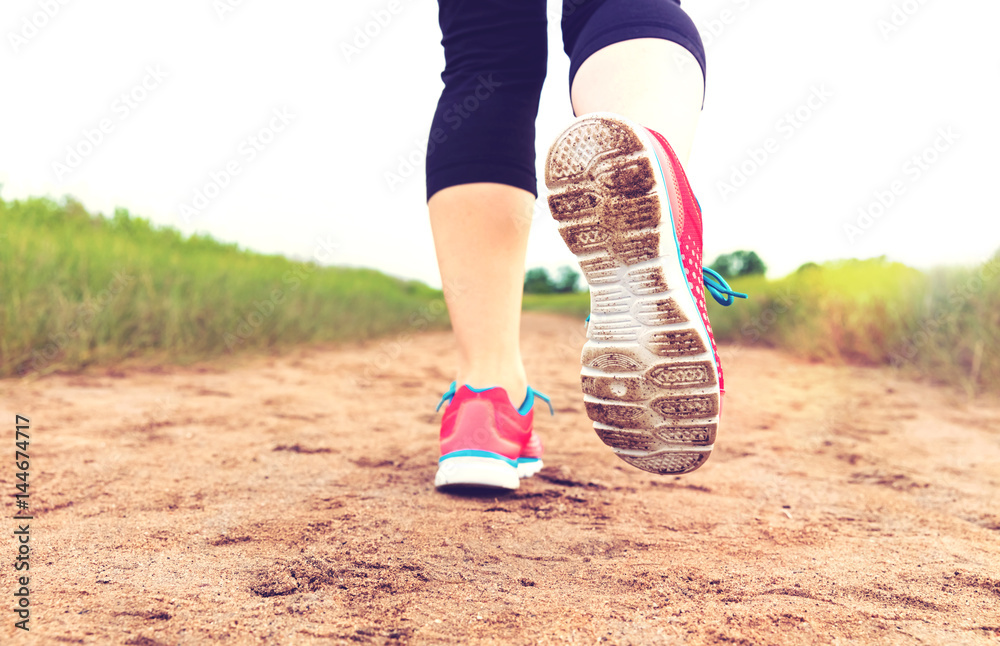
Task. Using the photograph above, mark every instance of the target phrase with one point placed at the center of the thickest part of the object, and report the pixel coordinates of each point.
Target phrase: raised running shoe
(651, 375)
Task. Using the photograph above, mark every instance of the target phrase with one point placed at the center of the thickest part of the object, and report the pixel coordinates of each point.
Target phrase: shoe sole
(484, 472)
(649, 375)
(527, 467)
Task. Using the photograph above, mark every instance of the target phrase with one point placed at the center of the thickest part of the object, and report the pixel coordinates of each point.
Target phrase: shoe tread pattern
(649, 381)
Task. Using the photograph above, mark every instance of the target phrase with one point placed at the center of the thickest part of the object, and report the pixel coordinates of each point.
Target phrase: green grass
(575, 304)
(78, 289)
(944, 325)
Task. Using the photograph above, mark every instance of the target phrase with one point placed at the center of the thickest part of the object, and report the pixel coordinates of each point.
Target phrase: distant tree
(538, 281)
(739, 263)
(567, 280)
(809, 266)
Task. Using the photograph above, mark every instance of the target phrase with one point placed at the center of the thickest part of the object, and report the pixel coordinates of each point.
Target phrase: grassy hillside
(576, 304)
(76, 289)
(944, 325)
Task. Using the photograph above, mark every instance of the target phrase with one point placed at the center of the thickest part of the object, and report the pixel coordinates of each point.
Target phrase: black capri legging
(495, 60)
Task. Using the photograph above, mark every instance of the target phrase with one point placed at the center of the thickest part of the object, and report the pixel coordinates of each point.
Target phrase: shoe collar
(527, 405)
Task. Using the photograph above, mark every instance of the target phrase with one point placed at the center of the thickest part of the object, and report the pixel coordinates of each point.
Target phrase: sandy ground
(280, 501)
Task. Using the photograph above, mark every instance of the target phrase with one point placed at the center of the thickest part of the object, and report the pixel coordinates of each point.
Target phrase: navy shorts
(495, 61)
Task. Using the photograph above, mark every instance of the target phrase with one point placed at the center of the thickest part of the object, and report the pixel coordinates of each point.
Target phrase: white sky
(323, 175)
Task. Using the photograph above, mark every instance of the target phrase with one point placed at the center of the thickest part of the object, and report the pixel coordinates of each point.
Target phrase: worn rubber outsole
(649, 376)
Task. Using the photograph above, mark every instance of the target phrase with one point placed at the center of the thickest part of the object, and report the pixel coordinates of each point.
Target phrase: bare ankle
(516, 386)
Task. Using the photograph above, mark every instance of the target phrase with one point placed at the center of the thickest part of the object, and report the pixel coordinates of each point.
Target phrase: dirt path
(281, 502)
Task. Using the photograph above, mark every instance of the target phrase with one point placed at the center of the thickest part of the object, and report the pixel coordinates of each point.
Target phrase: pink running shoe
(652, 380)
(485, 441)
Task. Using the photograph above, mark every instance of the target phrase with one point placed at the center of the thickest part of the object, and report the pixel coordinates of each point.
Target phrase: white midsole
(480, 471)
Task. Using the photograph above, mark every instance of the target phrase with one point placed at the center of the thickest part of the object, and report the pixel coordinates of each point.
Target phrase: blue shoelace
(529, 400)
(717, 287)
